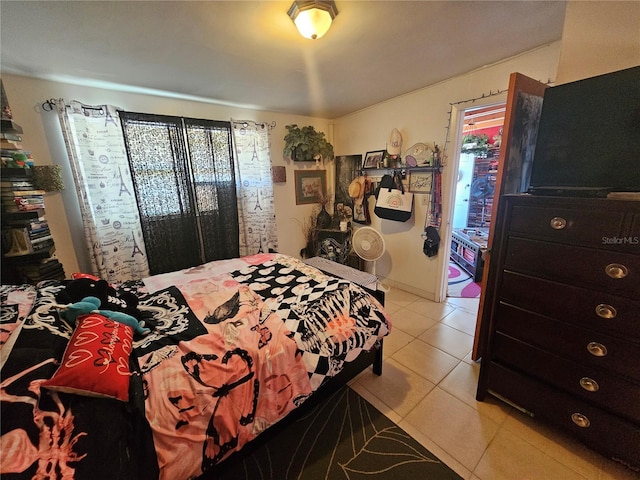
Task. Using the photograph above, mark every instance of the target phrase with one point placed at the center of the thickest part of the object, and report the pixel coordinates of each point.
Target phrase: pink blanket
(273, 329)
(220, 390)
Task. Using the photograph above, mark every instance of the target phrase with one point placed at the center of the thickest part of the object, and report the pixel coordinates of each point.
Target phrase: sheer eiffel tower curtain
(256, 208)
(93, 138)
(184, 180)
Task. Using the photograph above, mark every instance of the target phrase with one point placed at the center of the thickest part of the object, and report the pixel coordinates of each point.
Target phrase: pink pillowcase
(96, 360)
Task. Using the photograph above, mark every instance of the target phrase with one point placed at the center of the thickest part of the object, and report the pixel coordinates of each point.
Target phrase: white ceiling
(249, 53)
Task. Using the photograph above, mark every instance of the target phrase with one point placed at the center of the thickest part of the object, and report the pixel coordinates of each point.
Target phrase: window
(183, 175)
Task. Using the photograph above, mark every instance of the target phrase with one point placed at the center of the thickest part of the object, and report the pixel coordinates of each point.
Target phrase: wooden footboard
(377, 362)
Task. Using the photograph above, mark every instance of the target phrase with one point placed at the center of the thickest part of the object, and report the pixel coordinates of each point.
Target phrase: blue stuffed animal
(72, 311)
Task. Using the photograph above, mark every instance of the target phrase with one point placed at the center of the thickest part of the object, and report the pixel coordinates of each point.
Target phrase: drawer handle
(558, 223)
(589, 384)
(606, 311)
(616, 270)
(580, 420)
(597, 349)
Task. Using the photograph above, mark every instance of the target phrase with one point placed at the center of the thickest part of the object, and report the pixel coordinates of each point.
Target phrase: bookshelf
(28, 248)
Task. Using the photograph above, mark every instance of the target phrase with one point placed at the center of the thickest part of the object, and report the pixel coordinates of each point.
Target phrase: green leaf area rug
(341, 438)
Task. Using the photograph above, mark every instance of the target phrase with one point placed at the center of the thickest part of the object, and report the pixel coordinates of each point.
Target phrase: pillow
(96, 360)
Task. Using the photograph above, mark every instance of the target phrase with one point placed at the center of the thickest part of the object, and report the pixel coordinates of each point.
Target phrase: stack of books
(17, 192)
(46, 269)
(21, 200)
(26, 240)
(10, 142)
(20, 241)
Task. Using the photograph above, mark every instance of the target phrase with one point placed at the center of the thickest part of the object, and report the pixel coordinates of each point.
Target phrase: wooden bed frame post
(377, 362)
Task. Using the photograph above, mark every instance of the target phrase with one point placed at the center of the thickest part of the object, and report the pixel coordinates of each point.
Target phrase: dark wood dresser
(564, 320)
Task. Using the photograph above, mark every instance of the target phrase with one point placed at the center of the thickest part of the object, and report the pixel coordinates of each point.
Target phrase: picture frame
(310, 185)
(373, 159)
(420, 182)
(279, 174)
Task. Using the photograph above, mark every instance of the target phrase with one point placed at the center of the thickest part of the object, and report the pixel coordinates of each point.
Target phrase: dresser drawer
(585, 227)
(593, 309)
(615, 272)
(607, 433)
(593, 384)
(586, 347)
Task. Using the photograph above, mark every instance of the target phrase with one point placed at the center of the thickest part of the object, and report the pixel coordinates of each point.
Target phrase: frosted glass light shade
(313, 23)
(313, 18)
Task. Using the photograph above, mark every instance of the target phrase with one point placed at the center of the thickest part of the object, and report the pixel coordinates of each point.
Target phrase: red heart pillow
(96, 360)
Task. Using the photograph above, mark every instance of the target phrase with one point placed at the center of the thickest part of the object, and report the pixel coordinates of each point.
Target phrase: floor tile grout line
(439, 382)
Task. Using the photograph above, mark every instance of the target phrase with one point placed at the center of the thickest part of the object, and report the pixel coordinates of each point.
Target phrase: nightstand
(334, 244)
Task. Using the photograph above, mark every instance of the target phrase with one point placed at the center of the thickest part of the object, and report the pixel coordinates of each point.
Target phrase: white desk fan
(369, 245)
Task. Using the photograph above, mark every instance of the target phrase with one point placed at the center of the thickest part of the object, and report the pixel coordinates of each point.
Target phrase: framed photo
(279, 174)
(420, 182)
(310, 184)
(373, 159)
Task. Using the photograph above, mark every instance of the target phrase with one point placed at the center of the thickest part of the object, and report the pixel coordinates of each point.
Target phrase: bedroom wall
(42, 136)
(423, 116)
(599, 38)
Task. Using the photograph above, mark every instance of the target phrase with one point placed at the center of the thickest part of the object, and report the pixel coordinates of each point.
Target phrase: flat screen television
(588, 141)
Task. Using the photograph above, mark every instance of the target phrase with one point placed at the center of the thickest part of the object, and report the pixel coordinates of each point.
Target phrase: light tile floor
(428, 387)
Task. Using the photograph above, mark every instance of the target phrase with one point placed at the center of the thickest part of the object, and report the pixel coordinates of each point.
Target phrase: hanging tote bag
(394, 203)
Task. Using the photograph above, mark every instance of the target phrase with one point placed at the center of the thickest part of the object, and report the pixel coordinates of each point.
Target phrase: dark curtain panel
(183, 177)
(214, 179)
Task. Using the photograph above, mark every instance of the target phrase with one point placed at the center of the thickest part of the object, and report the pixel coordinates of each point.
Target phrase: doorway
(480, 138)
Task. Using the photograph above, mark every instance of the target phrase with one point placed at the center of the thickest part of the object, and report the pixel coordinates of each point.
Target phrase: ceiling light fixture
(313, 17)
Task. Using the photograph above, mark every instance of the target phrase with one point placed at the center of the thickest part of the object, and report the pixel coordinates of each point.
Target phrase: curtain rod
(245, 124)
(50, 105)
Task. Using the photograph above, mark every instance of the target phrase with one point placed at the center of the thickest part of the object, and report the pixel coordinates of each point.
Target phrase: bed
(236, 346)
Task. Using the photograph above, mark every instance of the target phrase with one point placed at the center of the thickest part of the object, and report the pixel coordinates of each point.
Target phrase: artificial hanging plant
(475, 143)
(306, 144)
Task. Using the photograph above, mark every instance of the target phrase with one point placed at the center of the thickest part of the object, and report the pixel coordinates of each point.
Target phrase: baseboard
(409, 288)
